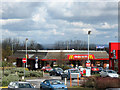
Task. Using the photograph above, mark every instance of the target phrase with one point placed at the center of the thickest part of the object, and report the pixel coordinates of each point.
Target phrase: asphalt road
(37, 82)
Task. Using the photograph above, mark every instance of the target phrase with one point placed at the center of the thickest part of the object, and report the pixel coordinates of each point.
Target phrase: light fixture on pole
(26, 51)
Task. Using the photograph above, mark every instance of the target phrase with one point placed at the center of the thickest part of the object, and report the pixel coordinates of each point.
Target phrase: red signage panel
(76, 57)
(24, 60)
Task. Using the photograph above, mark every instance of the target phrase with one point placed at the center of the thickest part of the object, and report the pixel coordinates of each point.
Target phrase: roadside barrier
(78, 79)
(65, 81)
(43, 73)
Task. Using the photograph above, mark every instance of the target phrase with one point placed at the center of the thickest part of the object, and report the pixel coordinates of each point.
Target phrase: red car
(46, 68)
(81, 74)
(94, 69)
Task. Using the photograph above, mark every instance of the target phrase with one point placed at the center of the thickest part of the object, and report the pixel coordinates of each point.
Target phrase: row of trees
(73, 44)
(9, 46)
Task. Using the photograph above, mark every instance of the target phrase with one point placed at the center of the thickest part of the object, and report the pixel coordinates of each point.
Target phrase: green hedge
(10, 78)
(16, 74)
(101, 83)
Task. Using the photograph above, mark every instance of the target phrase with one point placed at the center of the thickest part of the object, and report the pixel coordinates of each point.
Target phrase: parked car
(46, 68)
(94, 70)
(18, 84)
(71, 72)
(52, 84)
(56, 71)
(108, 73)
(100, 69)
(79, 68)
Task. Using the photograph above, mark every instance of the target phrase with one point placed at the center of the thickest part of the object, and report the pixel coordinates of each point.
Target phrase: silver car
(108, 73)
(18, 84)
(73, 73)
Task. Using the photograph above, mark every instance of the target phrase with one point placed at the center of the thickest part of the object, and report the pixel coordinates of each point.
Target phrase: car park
(46, 68)
(56, 71)
(108, 73)
(18, 84)
(52, 84)
(71, 73)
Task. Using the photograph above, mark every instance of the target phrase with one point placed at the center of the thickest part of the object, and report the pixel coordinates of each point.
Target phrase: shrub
(7, 72)
(8, 79)
(35, 73)
(27, 74)
(103, 83)
(19, 70)
(12, 77)
(89, 82)
(5, 82)
(20, 74)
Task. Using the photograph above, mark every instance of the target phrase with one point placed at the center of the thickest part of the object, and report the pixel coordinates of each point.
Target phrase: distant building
(75, 57)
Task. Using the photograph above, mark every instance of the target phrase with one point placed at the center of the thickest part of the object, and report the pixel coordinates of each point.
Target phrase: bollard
(70, 81)
(23, 78)
(43, 73)
(78, 79)
(65, 81)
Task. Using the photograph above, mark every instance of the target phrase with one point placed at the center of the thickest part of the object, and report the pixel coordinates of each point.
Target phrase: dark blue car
(52, 84)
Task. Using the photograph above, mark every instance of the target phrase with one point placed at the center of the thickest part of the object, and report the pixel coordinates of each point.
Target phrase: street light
(88, 69)
(26, 51)
(88, 46)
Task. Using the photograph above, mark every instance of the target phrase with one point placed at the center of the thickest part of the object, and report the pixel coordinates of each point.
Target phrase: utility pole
(26, 51)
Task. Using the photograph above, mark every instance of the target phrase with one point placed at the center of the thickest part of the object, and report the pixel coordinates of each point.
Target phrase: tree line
(10, 46)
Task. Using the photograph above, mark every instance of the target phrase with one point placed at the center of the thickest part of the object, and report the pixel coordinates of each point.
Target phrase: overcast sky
(48, 22)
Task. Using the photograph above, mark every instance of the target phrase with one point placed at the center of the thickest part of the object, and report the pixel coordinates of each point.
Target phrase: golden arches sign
(73, 57)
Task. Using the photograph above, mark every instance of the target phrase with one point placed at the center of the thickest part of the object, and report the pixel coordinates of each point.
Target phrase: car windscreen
(58, 69)
(55, 82)
(74, 71)
(24, 85)
(111, 71)
(48, 67)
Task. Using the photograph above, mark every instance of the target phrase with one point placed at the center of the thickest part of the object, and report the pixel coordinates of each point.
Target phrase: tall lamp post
(88, 46)
(26, 51)
(88, 69)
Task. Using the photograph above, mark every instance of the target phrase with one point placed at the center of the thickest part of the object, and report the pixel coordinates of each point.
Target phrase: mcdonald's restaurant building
(51, 57)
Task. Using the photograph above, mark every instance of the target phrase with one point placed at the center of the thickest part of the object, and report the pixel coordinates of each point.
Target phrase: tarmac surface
(36, 82)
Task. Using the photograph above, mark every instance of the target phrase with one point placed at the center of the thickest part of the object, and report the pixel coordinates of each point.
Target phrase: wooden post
(43, 73)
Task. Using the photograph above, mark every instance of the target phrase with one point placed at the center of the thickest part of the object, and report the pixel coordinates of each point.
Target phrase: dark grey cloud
(19, 10)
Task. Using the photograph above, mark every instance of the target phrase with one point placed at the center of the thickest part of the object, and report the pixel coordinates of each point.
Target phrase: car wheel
(41, 88)
(50, 74)
(107, 76)
(61, 78)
